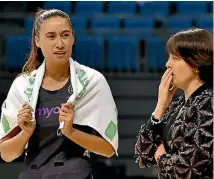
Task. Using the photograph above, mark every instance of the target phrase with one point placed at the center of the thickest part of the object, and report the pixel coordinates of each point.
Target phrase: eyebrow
(55, 32)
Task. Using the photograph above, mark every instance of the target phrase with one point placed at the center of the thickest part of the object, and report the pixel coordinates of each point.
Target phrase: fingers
(26, 106)
(25, 110)
(25, 117)
(23, 120)
(25, 114)
(68, 105)
(67, 108)
(166, 79)
(66, 112)
(63, 114)
(66, 115)
(62, 118)
(165, 73)
(168, 82)
(28, 115)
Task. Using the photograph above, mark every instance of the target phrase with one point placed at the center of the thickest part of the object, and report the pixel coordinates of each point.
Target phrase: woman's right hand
(165, 94)
(25, 120)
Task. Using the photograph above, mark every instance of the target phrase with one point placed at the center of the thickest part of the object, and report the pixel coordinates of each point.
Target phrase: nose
(168, 63)
(60, 44)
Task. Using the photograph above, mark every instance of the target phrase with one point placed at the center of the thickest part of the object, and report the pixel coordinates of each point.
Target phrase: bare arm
(91, 142)
(12, 145)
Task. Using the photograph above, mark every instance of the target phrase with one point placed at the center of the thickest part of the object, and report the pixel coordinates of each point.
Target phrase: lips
(59, 53)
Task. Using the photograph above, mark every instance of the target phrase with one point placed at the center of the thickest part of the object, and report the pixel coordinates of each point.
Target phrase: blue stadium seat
(79, 24)
(122, 53)
(156, 53)
(178, 23)
(121, 7)
(156, 8)
(105, 23)
(191, 8)
(210, 5)
(17, 49)
(89, 51)
(28, 24)
(61, 5)
(139, 23)
(89, 7)
(205, 22)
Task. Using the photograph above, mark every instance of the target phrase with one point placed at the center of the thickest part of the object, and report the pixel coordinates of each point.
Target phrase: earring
(197, 71)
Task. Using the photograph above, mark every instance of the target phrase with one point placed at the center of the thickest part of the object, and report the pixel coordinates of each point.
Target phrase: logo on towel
(82, 77)
(29, 92)
(111, 130)
(5, 124)
(31, 81)
(80, 94)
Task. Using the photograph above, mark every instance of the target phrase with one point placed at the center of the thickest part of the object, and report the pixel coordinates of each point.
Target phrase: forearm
(155, 122)
(159, 111)
(12, 148)
(91, 142)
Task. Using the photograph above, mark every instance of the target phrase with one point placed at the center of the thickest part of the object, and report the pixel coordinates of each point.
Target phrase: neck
(57, 72)
(191, 87)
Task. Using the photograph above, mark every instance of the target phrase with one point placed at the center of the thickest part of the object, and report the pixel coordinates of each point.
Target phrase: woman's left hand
(67, 115)
(160, 151)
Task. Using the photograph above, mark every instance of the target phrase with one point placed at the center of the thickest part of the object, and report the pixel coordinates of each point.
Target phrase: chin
(177, 85)
(61, 61)
(173, 83)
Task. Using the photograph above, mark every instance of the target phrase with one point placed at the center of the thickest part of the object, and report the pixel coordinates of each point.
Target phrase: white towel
(92, 98)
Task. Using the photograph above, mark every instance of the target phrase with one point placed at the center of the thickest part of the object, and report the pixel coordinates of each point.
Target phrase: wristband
(155, 120)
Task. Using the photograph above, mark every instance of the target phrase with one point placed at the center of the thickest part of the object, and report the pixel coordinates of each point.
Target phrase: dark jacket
(186, 131)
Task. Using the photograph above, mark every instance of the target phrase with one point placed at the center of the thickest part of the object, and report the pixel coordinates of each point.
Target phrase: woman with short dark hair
(178, 137)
